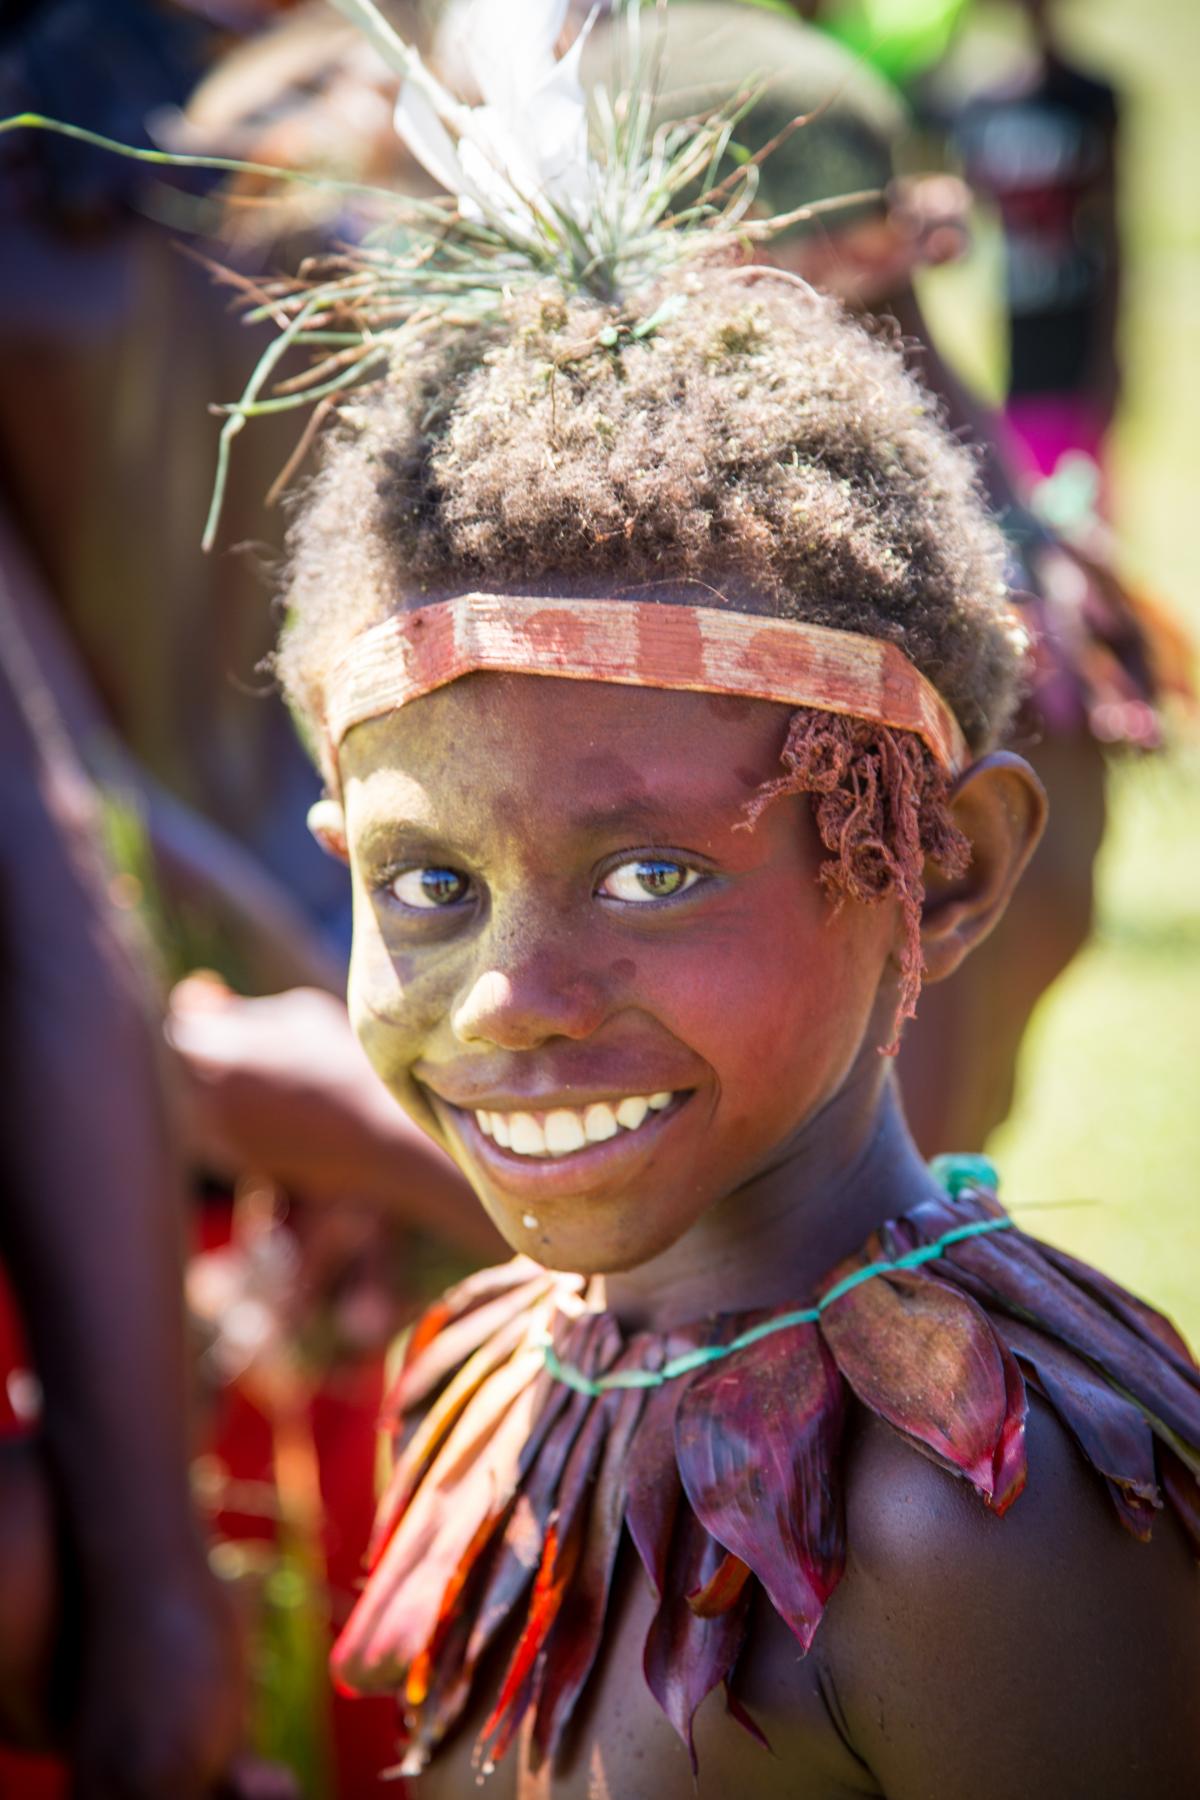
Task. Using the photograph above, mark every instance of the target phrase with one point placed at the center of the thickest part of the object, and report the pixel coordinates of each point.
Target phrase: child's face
(559, 917)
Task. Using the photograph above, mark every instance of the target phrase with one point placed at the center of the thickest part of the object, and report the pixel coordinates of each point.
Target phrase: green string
(808, 1315)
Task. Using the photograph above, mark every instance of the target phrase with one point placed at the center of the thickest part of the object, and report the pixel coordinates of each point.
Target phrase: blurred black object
(106, 67)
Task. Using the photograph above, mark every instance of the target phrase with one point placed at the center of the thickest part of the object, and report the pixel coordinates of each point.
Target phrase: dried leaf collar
(533, 1434)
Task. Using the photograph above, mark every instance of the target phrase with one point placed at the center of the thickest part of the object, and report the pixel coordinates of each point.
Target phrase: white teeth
(564, 1132)
(528, 1138)
(565, 1129)
(600, 1123)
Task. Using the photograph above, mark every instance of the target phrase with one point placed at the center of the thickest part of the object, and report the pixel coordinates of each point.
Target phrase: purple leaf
(565, 1538)
(686, 1656)
(653, 1489)
(1131, 1311)
(757, 1438)
(1031, 1288)
(592, 1344)
(1109, 1430)
(1183, 1491)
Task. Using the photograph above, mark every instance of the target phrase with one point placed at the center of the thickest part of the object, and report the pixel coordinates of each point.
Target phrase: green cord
(809, 1315)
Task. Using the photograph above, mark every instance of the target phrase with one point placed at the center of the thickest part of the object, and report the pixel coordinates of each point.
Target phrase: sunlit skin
(537, 972)
(498, 833)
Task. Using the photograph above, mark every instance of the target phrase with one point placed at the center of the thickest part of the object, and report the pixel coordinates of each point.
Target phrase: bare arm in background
(90, 1233)
(193, 856)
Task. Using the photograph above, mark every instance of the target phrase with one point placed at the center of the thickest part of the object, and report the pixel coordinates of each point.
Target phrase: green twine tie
(953, 1172)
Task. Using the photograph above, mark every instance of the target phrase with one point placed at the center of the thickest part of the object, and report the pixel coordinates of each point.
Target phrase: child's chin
(579, 1249)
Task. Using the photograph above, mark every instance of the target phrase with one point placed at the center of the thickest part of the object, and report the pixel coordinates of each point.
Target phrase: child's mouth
(565, 1130)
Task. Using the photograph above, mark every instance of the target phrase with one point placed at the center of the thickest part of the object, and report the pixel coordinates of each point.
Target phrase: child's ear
(1000, 805)
(327, 822)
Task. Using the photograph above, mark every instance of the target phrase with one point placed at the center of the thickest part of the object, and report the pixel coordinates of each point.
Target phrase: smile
(566, 1130)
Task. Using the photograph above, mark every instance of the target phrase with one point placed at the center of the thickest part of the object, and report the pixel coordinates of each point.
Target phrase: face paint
(609, 1000)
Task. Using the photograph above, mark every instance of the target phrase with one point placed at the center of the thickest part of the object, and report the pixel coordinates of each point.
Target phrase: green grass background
(1103, 1146)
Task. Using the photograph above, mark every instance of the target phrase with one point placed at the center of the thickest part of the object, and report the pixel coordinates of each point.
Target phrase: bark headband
(698, 649)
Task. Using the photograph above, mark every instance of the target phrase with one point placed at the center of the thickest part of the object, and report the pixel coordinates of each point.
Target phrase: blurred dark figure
(117, 1646)
(1041, 146)
(113, 345)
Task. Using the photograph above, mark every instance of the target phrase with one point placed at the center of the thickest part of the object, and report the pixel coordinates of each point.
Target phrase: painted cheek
(394, 1010)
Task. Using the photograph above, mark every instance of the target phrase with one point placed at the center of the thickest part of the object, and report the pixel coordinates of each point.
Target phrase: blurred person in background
(118, 1648)
(1040, 146)
(112, 344)
(1103, 661)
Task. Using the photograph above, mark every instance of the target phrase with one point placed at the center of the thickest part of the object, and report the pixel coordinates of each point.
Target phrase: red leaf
(1110, 1430)
(455, 1327)
(467, 1489)
(1010, 1467)
(1010, 1272)
(438, 1686)
(686, 1656)
(757, 1437)
(435, 1425)
(575, 1641)
(924, 1357)
(516, 1692)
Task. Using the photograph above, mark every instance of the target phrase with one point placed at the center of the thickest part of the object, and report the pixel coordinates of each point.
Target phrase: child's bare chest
(622, 1747)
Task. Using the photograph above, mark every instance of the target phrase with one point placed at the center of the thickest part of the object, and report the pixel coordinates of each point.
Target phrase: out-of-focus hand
(275, 1084)
(278, 1086)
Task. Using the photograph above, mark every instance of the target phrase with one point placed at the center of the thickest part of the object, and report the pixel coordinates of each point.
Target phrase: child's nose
(519, 1005)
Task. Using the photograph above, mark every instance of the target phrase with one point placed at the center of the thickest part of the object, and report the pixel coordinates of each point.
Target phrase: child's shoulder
(1048, 1653)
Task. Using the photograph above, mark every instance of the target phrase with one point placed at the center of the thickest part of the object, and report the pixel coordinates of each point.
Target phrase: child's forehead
(542, 741)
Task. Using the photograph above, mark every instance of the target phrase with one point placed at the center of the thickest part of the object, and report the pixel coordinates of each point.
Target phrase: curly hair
(735, 432)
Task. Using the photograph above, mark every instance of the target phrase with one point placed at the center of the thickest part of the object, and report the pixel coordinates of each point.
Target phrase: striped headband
(697, 649)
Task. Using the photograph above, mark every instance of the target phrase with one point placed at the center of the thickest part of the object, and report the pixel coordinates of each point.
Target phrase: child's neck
(773, 1240)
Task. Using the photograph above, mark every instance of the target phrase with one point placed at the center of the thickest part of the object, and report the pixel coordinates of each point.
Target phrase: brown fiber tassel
(882, 806)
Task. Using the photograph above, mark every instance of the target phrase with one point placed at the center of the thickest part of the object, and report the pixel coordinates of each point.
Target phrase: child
(652, 638)
(655, 645)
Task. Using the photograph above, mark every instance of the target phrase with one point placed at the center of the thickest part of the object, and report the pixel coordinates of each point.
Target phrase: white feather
(526, 145)
(417, 123)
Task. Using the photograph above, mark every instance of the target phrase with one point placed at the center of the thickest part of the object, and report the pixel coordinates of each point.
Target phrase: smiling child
(657, 675)
(651, 634)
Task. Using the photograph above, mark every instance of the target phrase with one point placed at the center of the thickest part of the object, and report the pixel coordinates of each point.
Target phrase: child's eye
(647, 878)
(428, 888)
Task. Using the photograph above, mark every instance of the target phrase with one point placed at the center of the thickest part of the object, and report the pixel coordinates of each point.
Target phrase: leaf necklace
(532, 1434)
